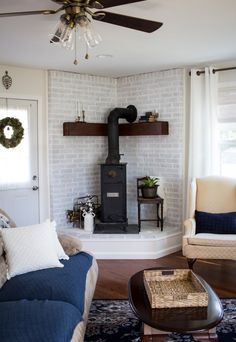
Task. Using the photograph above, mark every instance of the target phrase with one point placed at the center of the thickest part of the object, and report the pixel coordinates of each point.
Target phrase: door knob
(35, 187)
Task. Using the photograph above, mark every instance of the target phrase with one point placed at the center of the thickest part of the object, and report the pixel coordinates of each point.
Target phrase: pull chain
(86, 55)
(76, 60)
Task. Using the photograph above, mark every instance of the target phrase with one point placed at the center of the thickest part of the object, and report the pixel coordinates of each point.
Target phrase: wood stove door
(113, 193)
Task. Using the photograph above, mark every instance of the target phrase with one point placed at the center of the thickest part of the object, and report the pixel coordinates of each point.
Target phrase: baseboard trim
(138, 255)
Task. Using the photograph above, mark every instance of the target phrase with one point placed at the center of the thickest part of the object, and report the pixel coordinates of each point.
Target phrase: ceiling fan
(78, 8)
(78, 13)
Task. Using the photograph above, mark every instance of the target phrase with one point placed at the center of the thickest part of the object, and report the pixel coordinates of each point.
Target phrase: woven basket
(179, 314)
(174, 289)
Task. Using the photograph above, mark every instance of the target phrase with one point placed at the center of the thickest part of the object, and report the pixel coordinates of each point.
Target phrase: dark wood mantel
(100, 129)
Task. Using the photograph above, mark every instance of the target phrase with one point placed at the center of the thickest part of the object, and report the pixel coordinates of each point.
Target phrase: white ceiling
(194, 32)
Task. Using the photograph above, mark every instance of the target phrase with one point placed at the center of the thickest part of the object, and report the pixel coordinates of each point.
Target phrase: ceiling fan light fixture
(63, 34)
(82, 20)
(91, 37)
(67, 39)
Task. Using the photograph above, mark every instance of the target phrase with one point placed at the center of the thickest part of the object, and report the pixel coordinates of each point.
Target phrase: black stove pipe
(130, 114)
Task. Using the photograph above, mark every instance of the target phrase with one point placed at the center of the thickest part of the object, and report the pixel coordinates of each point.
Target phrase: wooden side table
(158, 201)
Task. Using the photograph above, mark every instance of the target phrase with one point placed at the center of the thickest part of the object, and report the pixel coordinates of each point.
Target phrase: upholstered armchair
(210, 230)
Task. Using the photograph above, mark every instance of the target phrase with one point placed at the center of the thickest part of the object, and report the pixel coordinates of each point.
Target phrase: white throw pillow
(60, 251)
(29, 248)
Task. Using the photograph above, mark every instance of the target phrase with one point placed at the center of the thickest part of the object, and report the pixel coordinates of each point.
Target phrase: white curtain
(203, 158)
(203, 150)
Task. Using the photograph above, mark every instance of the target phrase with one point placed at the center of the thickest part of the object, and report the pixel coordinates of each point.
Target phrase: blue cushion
(63, 284)
(37, 321)
(215, 223)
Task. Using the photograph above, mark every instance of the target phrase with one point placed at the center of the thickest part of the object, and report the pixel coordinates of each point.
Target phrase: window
(227, 128)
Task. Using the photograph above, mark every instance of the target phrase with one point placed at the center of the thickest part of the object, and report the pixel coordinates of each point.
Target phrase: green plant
(150, 182)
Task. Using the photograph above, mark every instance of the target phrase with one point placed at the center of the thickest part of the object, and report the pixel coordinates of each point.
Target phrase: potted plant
(149, 186)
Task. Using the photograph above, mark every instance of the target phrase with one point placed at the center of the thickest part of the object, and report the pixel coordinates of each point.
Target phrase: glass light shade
(70, 30)
(67, 38)
(56, 37)
(63, 35)
(82, 21)
(91, 37)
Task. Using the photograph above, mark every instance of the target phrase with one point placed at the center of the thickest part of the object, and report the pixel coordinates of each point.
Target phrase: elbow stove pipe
(130, 114)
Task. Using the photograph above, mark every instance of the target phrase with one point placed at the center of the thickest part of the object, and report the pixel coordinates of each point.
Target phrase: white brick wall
(161, 156)
(73, 161)
(74, 169)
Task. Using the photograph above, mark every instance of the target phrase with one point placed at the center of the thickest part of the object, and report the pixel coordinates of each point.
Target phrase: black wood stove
(113, 180)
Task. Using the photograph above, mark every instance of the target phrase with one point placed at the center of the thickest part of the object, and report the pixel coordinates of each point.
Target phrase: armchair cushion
(213, 240)
(222, 223)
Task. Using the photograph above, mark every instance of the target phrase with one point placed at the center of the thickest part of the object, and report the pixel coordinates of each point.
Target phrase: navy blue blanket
(37, 321)
(65, 284)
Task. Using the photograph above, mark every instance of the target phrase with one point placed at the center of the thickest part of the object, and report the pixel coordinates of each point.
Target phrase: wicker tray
(179, 314)
(174, 289)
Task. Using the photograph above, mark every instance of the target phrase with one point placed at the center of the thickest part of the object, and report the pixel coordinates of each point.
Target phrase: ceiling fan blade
(113, 3)
(15, 14)
(129, 22)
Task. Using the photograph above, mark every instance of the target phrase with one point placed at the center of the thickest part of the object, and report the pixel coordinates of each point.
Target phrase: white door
(19, 192)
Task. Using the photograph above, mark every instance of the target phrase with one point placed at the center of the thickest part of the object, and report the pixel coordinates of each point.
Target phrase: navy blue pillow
(215, 223)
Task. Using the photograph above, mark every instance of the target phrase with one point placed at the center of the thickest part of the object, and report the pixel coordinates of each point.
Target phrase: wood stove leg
(162, 215)
(158, 218)
(139, 223)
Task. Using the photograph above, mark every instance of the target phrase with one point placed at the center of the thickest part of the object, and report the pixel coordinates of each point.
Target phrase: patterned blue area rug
(114, 321)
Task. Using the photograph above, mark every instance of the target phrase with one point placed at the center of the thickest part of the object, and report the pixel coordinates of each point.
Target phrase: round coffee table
(198, 321)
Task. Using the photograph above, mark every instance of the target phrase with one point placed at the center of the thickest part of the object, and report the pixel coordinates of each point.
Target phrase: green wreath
(18, 132)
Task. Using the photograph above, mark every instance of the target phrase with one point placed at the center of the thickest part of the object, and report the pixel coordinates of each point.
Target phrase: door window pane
(14, 162)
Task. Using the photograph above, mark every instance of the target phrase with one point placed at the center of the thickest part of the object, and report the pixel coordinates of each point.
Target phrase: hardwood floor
(114, 274)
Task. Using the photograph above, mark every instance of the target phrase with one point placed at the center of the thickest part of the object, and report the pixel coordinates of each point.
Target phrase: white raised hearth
(150, 243)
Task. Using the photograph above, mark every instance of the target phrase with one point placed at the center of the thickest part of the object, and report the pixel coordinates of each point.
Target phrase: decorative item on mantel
(79, 112)
(149, 117)
(83, 114)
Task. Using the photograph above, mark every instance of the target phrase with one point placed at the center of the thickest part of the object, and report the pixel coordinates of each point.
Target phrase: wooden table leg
(158, 218)
(164, 338)
(146, 338)
(155, 338)
(154, 335)
(139, 223)
(162, 215)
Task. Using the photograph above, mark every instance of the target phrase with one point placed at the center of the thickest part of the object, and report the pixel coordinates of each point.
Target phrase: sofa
(48, 304)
